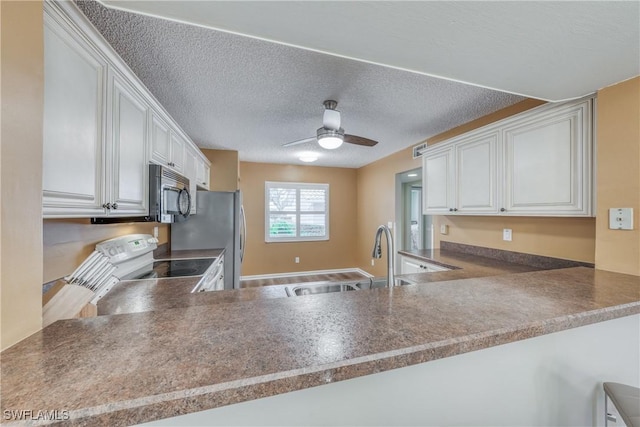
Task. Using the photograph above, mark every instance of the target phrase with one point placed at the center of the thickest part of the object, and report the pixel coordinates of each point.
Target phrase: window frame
(297, 186)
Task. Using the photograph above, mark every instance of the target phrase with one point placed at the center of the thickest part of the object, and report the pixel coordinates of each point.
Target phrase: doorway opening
(414, 231)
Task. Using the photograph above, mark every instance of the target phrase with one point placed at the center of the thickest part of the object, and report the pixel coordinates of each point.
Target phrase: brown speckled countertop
(130, 368)
(135, 296)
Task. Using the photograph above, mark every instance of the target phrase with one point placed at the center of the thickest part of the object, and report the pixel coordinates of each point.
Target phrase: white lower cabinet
(410, 265)
(538, 163)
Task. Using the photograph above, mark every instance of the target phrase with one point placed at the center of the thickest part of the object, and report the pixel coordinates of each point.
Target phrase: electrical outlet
(621, 218)
(506, 234)
(390, 225)
(373, 262)
(155, 232)
(444, 229)
(297, 260)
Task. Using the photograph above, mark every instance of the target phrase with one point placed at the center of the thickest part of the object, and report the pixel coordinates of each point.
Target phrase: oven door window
(176, 201)
(184, 203)
(170, 196)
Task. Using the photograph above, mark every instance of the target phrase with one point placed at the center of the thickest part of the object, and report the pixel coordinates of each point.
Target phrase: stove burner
(183, 272)
(175, 268)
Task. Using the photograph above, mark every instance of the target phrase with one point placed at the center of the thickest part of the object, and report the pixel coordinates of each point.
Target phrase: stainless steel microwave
(169, 197)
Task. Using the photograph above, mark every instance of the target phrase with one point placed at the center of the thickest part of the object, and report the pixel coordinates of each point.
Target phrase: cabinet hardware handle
(502, 209)
(455, 209)
(106, 206)
(114, 206)
(450, 209)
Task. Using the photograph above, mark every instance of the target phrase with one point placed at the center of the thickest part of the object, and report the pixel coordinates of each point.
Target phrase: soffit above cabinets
(552, 50)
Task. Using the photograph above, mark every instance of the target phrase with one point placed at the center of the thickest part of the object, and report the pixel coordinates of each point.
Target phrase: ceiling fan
(331, 135)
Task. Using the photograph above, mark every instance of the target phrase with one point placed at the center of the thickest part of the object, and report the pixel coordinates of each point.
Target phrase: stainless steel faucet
(377, 252)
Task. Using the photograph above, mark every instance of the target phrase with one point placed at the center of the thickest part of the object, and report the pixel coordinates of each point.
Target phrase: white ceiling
(235, 92)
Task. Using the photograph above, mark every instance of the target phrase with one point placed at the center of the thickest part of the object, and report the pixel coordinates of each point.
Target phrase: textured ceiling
(233, 92)
(552, 50)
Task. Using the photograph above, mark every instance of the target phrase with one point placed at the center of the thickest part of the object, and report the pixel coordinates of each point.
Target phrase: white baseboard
(306, 273)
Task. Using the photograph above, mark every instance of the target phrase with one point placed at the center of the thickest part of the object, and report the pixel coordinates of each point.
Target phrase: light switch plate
(506, 234)
(444, 229)
(621, 218)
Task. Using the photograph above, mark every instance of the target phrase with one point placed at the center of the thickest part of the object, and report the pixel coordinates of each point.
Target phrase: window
(296, 212)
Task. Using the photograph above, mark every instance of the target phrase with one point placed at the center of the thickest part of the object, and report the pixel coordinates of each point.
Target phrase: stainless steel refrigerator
(219, 223)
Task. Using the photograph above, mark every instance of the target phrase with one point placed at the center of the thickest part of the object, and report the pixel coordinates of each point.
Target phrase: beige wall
(67, 242)
(376, 203)
(22, 91)
(567, 238)
(618, 175)
(337, 252)
(225, 167)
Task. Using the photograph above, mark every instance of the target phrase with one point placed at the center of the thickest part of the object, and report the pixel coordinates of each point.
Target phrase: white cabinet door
(129, 179)
(203, 174)
(177, 152)
(437, 181)
(477, 175)
(191, 172)
(73, 126)
(409, 266)
(548, 163)
(160, 143)
(412, 266)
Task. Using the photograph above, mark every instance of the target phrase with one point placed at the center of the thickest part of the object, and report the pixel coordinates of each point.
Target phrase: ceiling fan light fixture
(330, 139)
(308, 157)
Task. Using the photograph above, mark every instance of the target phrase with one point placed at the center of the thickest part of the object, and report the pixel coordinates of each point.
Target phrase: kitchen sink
(313, 288)
(381, 282)
(320, 288)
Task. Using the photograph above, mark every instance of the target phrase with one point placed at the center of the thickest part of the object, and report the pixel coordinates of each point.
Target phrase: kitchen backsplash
(67, 242)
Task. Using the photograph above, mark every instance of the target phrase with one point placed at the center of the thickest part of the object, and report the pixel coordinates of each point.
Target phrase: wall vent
(417, 150)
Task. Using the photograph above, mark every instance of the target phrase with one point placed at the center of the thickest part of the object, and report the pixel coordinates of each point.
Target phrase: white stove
(130, 257)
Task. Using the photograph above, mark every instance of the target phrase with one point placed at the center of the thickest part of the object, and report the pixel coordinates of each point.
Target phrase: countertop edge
(208, 397)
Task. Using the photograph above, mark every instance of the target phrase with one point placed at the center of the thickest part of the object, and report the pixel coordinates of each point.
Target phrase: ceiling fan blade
(358, 140)
(300, 141)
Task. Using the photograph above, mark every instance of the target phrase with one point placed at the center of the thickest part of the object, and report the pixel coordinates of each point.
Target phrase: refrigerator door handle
(243, 236)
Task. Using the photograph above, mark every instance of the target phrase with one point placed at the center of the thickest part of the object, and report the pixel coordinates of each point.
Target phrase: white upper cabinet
(73, 137)
(476, 169)
(177, 152)
(203, 173)
(101, 126)
(548, 163)
(438, 180)
(160, 142)
(129, 193)
(462, 177)
(538, 163)
(168, 148)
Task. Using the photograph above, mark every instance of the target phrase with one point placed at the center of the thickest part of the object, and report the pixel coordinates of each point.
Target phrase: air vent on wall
(417, 150)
